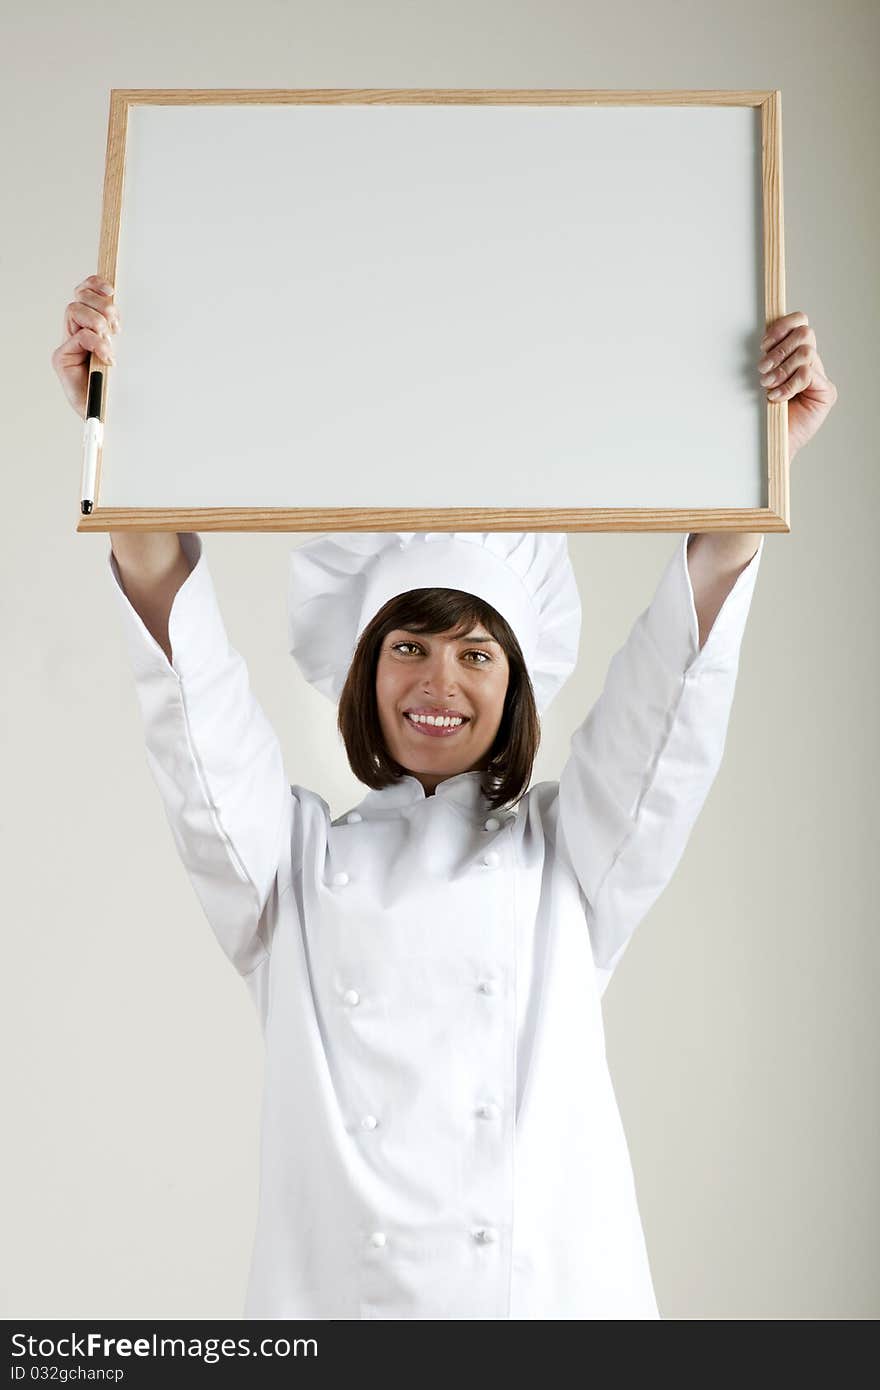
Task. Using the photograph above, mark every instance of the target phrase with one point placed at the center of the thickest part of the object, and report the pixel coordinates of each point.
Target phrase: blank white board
(379, 304)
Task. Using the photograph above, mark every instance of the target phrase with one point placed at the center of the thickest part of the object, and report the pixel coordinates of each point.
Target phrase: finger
(89, 295)
(79, 314)
(70, 353)
(74, 351)
(776, 355)
(96, 301)
(777, 330)
(820, 381)
(798, 381)
(802, 356)
(97, 284)
(98, 293)
(96, 343)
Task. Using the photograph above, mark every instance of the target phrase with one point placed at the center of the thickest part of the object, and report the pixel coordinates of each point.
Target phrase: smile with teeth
(436, 726)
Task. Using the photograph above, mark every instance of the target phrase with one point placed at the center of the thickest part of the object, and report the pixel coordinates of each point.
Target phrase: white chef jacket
(440, 1135)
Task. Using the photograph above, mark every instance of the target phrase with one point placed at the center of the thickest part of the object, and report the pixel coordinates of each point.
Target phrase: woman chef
(440, 1134)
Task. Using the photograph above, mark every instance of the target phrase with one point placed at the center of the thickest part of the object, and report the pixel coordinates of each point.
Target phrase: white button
(486, 986)
(341, 878)
(489, 1111)
(351, 996)
(369, 1122)
(492, 823)
(485, 1235)
(377, 1238)
(353, 817)
(491, 858)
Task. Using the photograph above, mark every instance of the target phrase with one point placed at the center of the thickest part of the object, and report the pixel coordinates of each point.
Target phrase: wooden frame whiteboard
(616, 244)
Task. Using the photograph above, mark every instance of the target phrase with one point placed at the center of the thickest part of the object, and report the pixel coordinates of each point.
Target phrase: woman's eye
(396, 646)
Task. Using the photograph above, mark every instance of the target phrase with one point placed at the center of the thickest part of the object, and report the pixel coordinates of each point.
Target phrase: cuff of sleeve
(195, 625)
(674, 626)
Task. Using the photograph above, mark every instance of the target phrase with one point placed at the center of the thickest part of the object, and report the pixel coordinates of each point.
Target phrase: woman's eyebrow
(472, 637)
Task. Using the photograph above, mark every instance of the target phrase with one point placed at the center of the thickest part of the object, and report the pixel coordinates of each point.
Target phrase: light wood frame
(773, 517)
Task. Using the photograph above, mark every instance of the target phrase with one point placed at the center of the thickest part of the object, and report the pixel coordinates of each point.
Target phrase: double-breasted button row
(352, 998)
(487, 1111)
(493, 823)
(490, 860)
(483, 1235)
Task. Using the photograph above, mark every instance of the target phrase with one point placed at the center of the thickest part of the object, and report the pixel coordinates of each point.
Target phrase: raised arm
(715, 561)
(642, 762)
(151, 565)
(210, 748)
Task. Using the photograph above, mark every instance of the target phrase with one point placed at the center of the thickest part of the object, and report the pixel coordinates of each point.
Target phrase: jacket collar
(464, 789)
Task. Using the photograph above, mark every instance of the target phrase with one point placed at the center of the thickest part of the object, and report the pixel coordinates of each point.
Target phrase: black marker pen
(94, 433)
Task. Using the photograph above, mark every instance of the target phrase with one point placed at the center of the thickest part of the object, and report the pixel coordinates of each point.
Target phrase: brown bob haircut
(430, 611)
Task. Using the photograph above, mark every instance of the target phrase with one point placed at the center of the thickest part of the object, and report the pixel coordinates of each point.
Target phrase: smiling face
(440, 676)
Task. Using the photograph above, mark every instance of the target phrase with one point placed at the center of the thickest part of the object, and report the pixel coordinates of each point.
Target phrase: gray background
(742, 1023)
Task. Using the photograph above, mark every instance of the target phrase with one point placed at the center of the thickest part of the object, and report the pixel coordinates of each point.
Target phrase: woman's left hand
(791, 369)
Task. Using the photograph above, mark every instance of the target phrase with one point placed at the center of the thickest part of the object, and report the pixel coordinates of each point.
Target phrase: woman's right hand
(89, 319)
(145, 557)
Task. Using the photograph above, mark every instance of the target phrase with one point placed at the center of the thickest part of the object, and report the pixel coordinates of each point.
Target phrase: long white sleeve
(641, 764)
(215, 759)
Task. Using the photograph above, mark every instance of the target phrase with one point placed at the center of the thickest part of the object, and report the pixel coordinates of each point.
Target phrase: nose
(441, 672)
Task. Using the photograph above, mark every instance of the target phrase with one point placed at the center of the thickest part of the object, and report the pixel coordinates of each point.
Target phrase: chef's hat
(338, 583)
